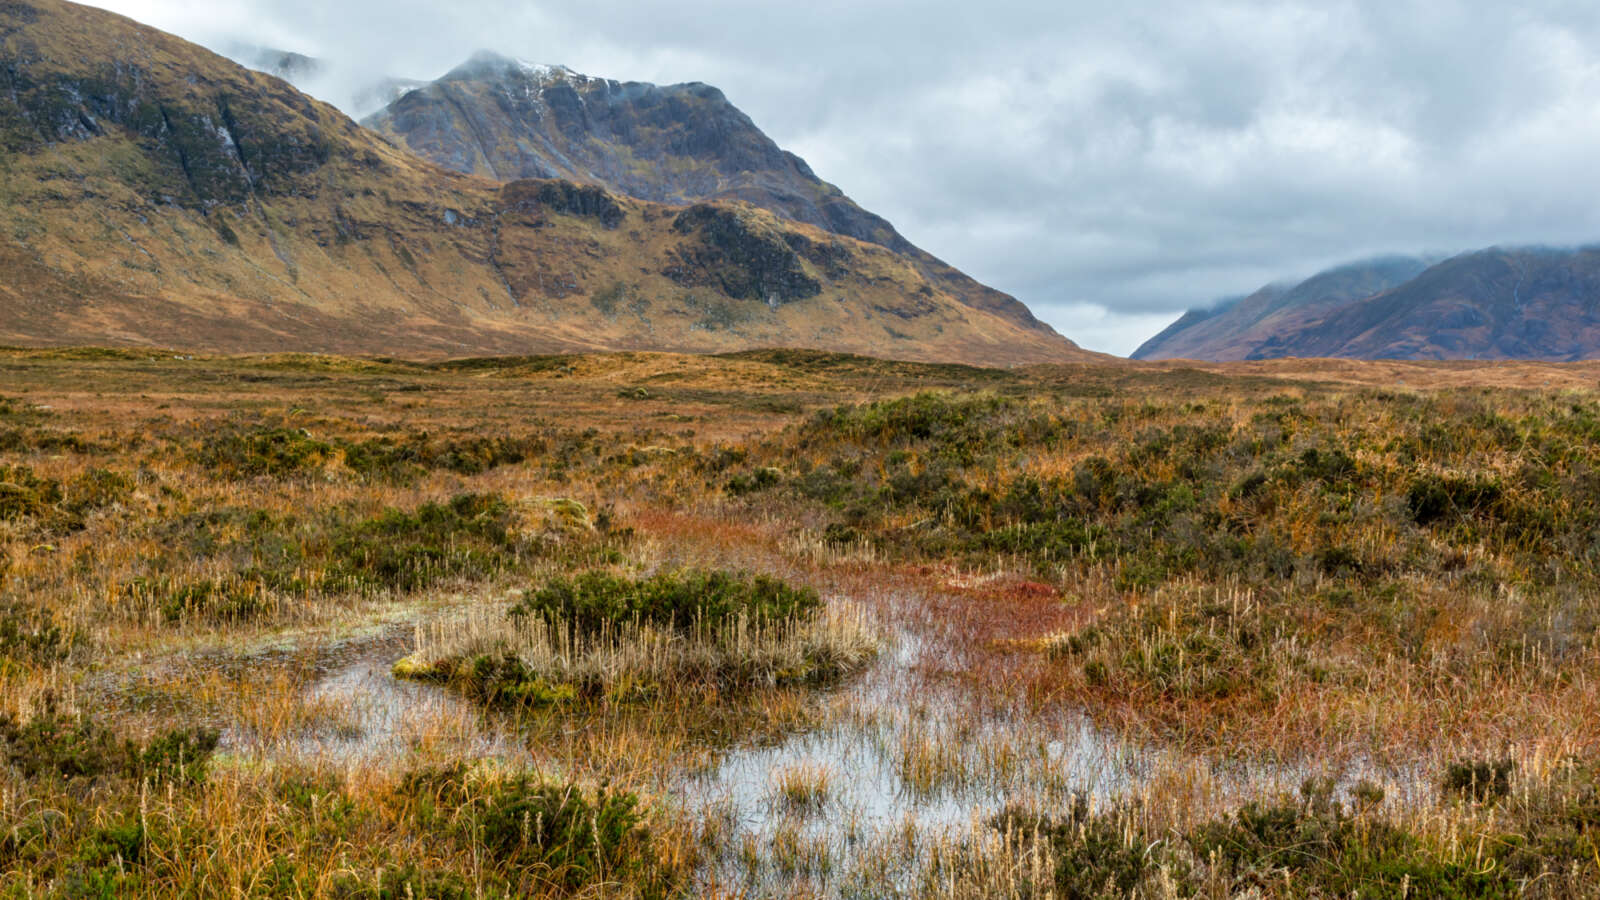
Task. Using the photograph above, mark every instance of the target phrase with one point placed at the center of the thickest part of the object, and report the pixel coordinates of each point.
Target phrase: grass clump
(281, 452)
(1094, 853)
(55, 745)
(803, 788)
(54, 506)
(555, 835)
(601, 636)
(270, 452)
(1478, 780)
(677, 601)
(1315, 845)
(271, 560)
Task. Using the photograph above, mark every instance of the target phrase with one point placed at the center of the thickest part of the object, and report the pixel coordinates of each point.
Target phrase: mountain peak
(680, 144)
(490, 65)
(222, 207)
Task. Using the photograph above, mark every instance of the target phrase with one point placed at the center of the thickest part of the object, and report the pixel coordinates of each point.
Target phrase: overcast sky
(1111, 164)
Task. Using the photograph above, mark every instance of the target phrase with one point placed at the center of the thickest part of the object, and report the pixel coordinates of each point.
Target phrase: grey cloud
(1111, 164)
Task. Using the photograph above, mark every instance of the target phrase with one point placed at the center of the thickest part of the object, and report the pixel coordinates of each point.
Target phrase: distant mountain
(361, 92)
(159, 194)
(1233, 329)
(1500, 303)
(286, 64)
(679, 144)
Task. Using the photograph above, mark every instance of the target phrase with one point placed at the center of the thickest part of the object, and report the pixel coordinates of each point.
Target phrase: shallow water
(378, 718)
(907, 764)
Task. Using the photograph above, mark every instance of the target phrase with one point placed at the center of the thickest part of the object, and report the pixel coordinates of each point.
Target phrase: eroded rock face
(220, 140)
(563, 197)
(739, 258)
(507, 120)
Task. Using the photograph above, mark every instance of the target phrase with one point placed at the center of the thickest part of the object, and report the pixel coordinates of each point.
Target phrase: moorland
(786, 623)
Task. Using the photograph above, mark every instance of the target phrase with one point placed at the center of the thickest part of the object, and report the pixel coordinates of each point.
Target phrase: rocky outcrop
(216, 142)
(740, 258)
(565, 198)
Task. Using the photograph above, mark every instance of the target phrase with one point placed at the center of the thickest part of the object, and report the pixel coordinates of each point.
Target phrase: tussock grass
(602, 637)
(1239, 580)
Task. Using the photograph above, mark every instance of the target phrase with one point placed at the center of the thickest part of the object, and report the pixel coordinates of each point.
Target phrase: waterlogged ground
(1139, 631)
(898, 767)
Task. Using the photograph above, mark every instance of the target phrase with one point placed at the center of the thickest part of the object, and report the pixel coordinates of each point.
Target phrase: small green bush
(272, 452)
(1097, 853)
(1434, 498)
(1478, 780)
(594, 600)
(72, 747)
(570, 837)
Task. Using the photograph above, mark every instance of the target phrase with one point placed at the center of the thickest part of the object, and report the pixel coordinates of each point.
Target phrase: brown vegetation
(1121, 614)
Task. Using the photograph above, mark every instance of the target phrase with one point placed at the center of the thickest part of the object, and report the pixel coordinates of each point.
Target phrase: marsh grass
(1240, 578)
(563, 655)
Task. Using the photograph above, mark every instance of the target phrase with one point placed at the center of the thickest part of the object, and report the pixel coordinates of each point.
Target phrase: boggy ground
(795, 624)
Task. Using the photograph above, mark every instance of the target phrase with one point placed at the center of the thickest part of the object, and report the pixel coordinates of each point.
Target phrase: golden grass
(970, 699)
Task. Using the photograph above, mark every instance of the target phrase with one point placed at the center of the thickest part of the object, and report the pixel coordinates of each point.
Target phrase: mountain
(286, 64)
(678, 144)
(1235, 329)
(1538, 304)
(360, 92)
(1528, 303)
(156, 193)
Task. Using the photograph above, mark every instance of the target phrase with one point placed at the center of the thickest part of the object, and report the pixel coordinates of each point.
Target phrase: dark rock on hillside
(742, 260)
(218, 142)
(586, 201)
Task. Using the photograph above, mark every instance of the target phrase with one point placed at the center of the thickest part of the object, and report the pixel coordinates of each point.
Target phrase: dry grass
(1174, 690)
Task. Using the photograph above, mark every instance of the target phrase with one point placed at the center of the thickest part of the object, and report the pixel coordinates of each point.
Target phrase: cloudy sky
(1111, 164)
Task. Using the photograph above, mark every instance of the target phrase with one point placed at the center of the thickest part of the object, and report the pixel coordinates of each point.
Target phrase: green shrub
(592, 601)
(567, 836)
(1096, 853)
(24, 495)
(759, 480)
(403, 551)
(1434, 498)
(272, 452)
(72, 747)
(30, 635)
(1481, 781)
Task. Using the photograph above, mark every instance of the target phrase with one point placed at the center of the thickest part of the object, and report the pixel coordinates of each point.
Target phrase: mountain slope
(1536, 304)
(1236, 329)
(153, 192)
(676, 144)
(1494, 304)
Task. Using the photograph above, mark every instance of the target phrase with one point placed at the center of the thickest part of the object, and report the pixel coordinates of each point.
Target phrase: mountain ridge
(505, 119)
(155, 190)
(1531, 303)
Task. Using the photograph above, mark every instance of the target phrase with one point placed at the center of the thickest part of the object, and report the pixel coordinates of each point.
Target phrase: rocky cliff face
(155, 193)
(678, 144)
(1535, 304)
